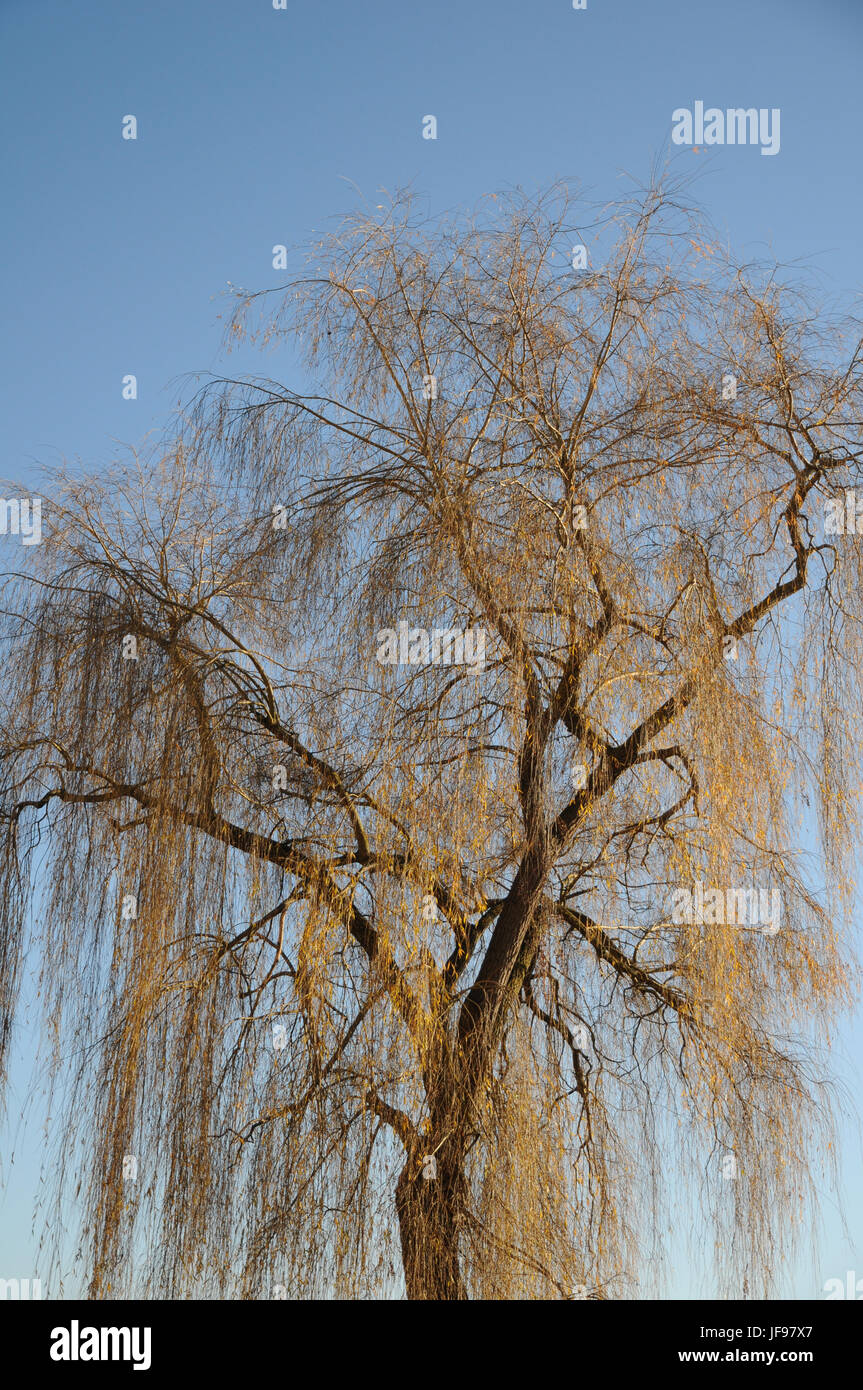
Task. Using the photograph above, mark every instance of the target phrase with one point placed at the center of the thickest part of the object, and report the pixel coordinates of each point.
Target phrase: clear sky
(254, 124)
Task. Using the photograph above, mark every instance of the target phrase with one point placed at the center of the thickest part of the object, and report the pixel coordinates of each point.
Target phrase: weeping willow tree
(430, 794)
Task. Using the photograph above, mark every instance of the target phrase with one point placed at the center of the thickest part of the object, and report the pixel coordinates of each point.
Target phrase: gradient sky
(257, 126)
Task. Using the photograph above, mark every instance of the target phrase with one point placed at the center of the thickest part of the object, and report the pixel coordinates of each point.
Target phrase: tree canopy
(362, 941)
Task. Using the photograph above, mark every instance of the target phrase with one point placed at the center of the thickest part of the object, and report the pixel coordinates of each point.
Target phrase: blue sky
(253, 127)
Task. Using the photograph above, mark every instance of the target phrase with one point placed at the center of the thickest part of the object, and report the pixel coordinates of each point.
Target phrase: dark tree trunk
(428, 1211)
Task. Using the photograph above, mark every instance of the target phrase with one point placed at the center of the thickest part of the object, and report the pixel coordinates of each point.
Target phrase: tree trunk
(428, 1213)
